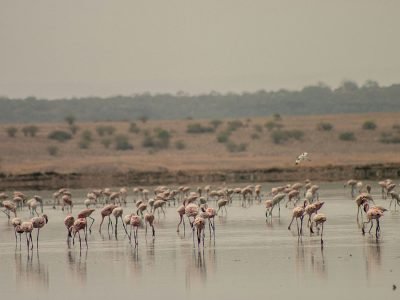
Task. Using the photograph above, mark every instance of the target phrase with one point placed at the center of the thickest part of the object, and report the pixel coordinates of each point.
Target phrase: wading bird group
(193, 206)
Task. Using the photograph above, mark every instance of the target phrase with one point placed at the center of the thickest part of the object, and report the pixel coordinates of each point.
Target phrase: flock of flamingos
(194, 205)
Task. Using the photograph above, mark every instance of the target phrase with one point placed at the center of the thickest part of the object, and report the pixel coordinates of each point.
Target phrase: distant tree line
(316, 99)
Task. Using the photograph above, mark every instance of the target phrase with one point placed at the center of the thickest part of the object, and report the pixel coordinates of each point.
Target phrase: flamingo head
(46, 218)
(366, 207)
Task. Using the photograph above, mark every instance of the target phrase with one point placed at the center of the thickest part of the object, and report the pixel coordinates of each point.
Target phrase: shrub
(347, 136)
(198, 128)
(324, 126)
(70, 119)
(148, 142)
(369, 125)
(74, 129)
(59, 135)
(234, 125)
(144, 119)
(30, 130)
(232, 147)
(277, 117)
(52, 150)
(223, 136)
(215, 123)
(258, 128)
(122, 143)
(281, 136)
(390, 138)
(102, 130)
(255, 136)
(163, 138)
(84, 144)
(271, 125)
(396, 126)
(180, 145)
(12, 131)
(106, 142)
(86, 136)
(133, 128)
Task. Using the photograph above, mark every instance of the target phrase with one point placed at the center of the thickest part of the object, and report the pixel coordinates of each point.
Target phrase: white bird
(301, 157)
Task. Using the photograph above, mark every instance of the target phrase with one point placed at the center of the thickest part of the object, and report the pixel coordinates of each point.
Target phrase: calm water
(249, 258)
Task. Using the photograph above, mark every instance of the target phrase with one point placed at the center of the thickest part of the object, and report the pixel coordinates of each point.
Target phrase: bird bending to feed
(39, 222)
(373, 213)
(69, 222)
(298, 213)
(319, 219)
(301, 157)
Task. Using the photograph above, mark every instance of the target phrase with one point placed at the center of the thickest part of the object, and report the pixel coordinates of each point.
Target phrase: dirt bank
(53, 180)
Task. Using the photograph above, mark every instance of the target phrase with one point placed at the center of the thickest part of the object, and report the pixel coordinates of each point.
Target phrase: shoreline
(55, 180)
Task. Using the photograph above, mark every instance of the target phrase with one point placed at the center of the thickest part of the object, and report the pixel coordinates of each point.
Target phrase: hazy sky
(59, 48)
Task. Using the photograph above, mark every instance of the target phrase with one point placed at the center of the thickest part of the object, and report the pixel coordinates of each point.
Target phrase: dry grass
(26, 154)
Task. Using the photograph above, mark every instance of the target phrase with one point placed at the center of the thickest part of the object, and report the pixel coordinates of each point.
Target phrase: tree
(12, 131)
(70, 119)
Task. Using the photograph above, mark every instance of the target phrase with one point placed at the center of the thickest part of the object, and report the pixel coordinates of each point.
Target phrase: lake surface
(250, 258)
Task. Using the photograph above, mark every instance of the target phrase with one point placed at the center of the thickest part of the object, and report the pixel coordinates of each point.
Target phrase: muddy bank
(53, 180)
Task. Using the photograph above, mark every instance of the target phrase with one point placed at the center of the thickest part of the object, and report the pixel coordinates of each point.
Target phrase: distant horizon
(194, 94)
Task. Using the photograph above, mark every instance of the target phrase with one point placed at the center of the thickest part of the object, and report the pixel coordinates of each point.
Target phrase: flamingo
(319, 219)
(352, 183)
(38, 223)
(149, 218)
(181, 212)
(9, 207)
(69, 222)
(79, 224)
(208, 213)
(373, 213)
(67, 201)
(298, 213)
(222, 204)
(27, 227)
(270, 204)
(117, 213)
(135, 222)
(396, 198)
(199, 223)
(16, 222)
(86, 214)
(360, 201)
(302, 157)
(106, 212)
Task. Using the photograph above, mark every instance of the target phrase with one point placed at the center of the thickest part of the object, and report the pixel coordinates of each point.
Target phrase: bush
(232, 147)
(277, 117)
(30, 130)
(281, 136)
(84, 144)
(122, 143)
(255, 136)
(133, 128)
(390, 138)
(369, 125)
(106, 142)
(86, 136)
(148, 142)
(59, 135)
(215, 123)
(144, 119)
(396, 127)
(52, 150)
(258, 128)
(102, 130)
(234, 125)
(74, 129)
(223, 137)
(324, 126)
(271, 125)
(180, 145)
(198, 128)
(347, 136)
(163, 138)
(12, 131)
(70, 119)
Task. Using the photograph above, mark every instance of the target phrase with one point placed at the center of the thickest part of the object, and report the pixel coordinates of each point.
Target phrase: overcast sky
(58, 48)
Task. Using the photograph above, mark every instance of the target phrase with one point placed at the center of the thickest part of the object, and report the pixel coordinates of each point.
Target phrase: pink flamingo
(27, 227)
(9, 207)
(106, 212)
(209, 213)
(117, 213)
(298, 213)
(69, 222)
(16, 222)
(79, 224)
(199, 223)
(149, 218)
(38, 223)
(135, 222)
(373, 213)
(319, 219)
(181, 212)
(86, 214)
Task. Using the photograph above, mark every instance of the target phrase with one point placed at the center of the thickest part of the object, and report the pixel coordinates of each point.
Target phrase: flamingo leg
(90, 227)
(177, 230)
(101, 223)
(37, 239)
(30, 237)
(290, 223)
(154, 232)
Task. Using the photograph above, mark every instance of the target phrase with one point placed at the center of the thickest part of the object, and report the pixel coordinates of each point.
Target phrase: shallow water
(250, 258)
